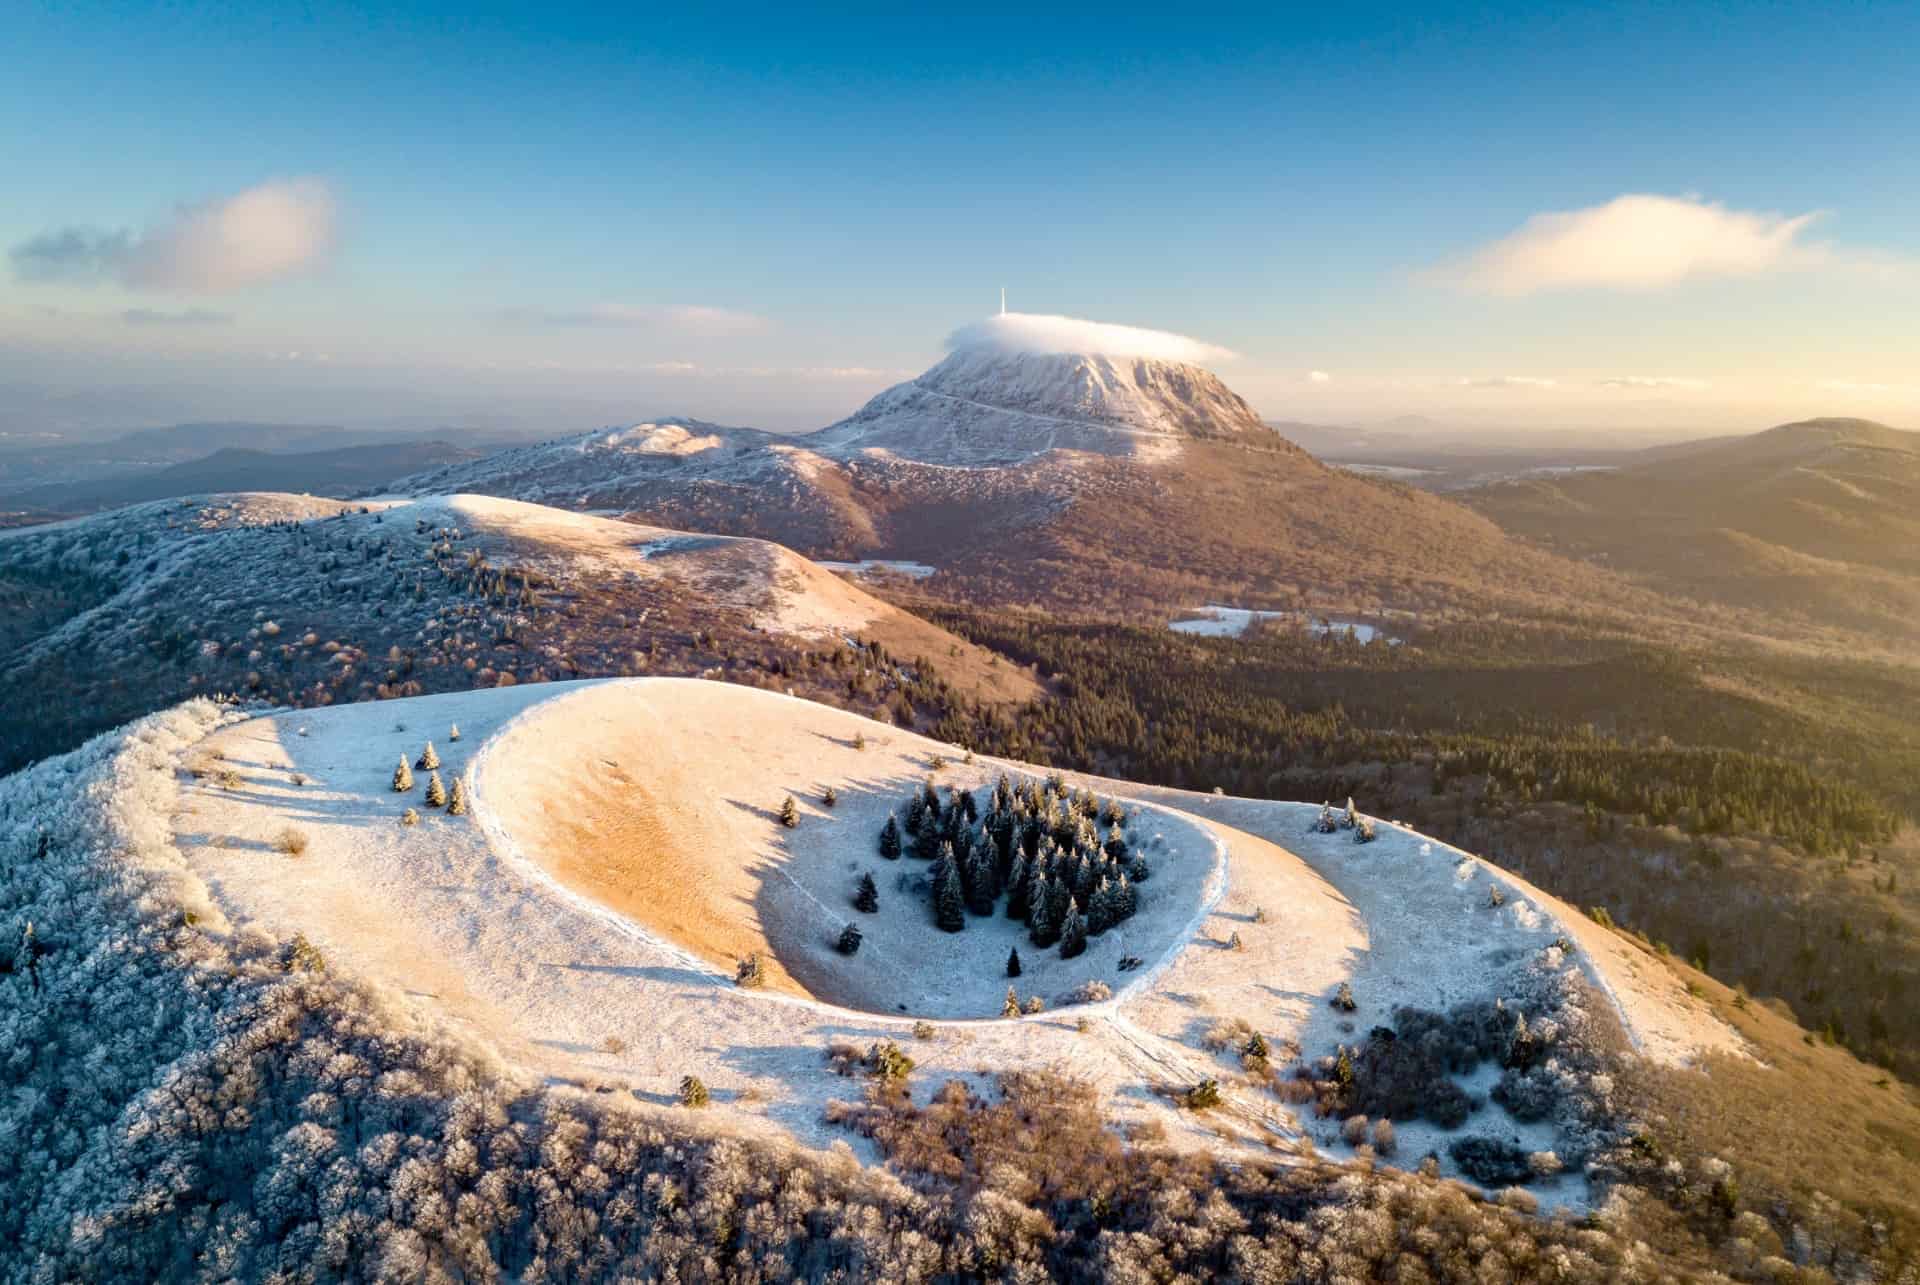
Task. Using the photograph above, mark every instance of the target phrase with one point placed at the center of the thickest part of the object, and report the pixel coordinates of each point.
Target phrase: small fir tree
(859, 740)
(916, 816)
(1017, 887)
(1040, 927)
(829, 797)
(428, 760)
(867, 900)
(949, 902)
(849, 943)
(402, 777)
(789, 813)
(457, 799)
(1012, 1007)
(1350, 817)
(979, 881)
(693, 1092)
(436, 791)
(1013, 965)
(453, 733)
(1073, 934)
(890, 839)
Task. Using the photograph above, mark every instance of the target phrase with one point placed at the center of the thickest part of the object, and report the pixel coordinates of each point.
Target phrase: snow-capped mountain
(1045, 459)
(989, 405)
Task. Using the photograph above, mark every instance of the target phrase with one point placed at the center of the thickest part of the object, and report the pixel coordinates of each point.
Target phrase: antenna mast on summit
(1003, 301)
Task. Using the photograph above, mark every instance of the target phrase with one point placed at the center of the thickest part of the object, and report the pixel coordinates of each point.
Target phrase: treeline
(1249, 716)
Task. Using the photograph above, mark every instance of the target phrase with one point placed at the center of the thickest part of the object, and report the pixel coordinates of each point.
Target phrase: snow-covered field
(867, 566)
(623, 844)
(1218, 621)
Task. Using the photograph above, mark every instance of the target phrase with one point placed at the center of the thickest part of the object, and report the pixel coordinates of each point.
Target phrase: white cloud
(1654, 381)
(1036, 333)
(259, 235)
(1638, 242)
(250, 238)
(1319, 377)
(1506, 381)
(686, 319)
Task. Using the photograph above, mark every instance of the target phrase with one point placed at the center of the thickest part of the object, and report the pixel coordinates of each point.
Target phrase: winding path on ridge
(528, 928)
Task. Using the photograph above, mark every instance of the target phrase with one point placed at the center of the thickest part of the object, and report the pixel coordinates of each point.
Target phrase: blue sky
(765, 216)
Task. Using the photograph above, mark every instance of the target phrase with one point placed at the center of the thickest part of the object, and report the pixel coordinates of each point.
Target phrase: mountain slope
(1816, 519)
(311, 602)
(1091, 481)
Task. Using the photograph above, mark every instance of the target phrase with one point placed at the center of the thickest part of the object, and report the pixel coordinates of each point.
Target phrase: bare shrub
(693, 1091)
(1354, 1131)
(1092, 991)
(291, 841)
(1383, 1137)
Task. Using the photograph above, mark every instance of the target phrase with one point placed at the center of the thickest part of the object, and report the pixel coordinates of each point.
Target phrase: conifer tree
(436, 791)
(849, 943)
(916, 815)
(1012, 1007)
(1013, 965)
(1348, 820)
(1017, 887)
(979, 881)
(428, 760)
(1059, 902)
(453, 733)
(1073, 934)
(890, 839)
(968, 808)
(949, 902)
(1100, 908)
(457, 799)
(1125, 900)
(829, 797)
(867, 900)
(402, 777)
(789, 813)
(1041, 927)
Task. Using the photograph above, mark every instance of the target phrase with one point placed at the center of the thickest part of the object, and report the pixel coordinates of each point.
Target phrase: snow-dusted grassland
(623, 846)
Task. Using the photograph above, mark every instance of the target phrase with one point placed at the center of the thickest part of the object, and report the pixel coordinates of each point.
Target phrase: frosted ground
(497, 926)
(1218, 621)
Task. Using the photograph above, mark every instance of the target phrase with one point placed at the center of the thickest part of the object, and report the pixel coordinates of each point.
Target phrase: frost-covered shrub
(693, 1091)
(1093, 991)
(291, 841)
(751, 972)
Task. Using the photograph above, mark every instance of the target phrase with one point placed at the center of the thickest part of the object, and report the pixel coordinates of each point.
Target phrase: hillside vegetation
(1751, 816)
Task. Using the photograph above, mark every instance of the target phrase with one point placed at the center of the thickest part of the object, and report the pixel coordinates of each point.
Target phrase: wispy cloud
(1653, 381)
(253, 237)
(1319, 377)
(686, 319)
(1648, 242)
(69, 254)
(1505, 381)
(1864, 388)
(184, 317)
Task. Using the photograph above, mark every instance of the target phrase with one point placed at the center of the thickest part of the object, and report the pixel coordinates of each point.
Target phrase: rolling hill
(1816, 520)
(308, 601)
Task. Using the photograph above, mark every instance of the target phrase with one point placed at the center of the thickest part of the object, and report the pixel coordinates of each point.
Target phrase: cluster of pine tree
(1060, 857)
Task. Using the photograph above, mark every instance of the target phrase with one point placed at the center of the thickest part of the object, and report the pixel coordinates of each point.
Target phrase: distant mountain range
(181, 459)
